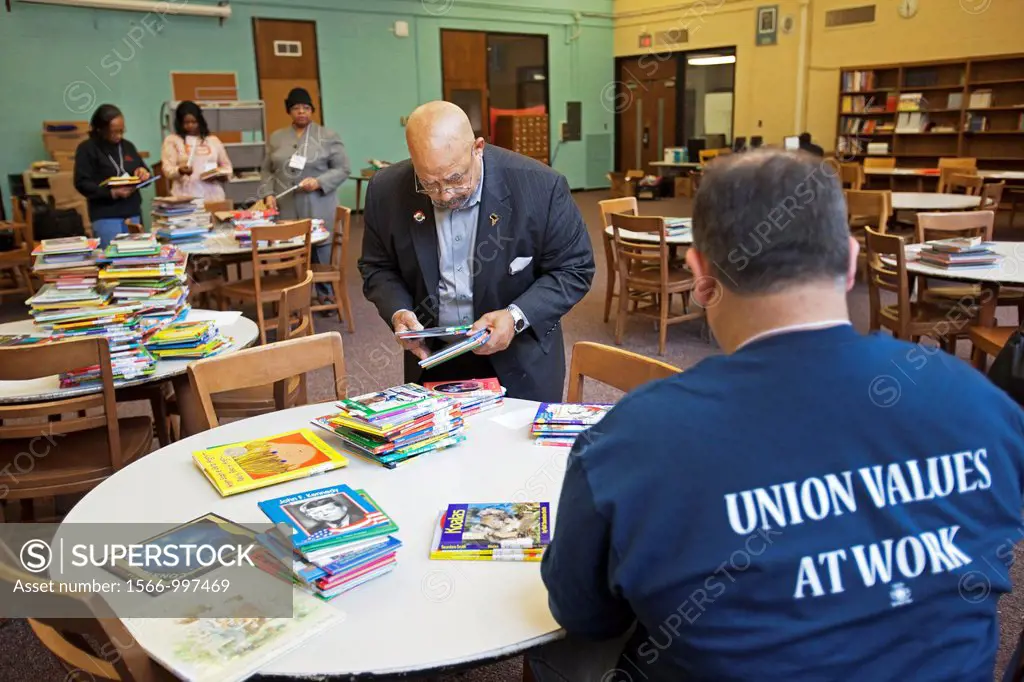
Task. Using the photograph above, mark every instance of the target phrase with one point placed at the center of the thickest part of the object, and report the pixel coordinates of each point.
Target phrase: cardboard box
(684, 186)
(65, 141)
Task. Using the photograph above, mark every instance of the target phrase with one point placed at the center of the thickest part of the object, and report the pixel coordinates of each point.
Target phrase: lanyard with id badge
(298, 161)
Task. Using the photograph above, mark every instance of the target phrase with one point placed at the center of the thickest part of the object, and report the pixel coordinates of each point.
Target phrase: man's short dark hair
(805, 138)
(770, 219)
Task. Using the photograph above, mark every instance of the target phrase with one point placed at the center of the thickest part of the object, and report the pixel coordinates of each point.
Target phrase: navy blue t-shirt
(820, 505)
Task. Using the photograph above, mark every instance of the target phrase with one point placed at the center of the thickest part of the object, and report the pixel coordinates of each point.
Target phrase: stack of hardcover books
(187, 341)
(68, 258)
(395, 425)
(180, 219)
(470, 343)
(958, 253)
(472, 395)
(144, 272)
(341, 538)
(502, 531)
(559, 424)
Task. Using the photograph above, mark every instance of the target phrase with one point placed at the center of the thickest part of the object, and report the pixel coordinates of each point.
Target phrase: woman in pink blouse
(191, 153)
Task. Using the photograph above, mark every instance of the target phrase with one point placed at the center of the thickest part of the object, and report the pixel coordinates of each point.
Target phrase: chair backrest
(643, 254)
(880, 162)
(876, 205)
(67, 415)
(263, 365)
(339, 240)
(991, 196)
(218, 206)
(294, 258)
(954, 224)
(706, 155)
(615, 367)
(626, 205)
(851, 175)
(295, 317)
(958, 162)
(882, 275)
(954, 181)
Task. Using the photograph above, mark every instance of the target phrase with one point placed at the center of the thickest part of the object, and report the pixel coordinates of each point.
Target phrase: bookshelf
(919, 112)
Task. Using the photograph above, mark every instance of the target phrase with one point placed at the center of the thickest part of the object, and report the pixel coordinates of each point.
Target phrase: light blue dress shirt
(456, 239)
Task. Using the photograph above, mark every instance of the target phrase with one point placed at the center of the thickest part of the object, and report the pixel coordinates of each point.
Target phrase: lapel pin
(418, 216)
(494, 219)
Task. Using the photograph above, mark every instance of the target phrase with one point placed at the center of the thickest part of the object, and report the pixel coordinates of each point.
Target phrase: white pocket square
(519, 264)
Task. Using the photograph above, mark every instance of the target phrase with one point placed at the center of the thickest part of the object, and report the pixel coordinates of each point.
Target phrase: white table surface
(987, 174)
(1009, 270)
(242, 332)
(684, 239)
(221, 241)
(933, 201)
(424, 614)
(676, 164)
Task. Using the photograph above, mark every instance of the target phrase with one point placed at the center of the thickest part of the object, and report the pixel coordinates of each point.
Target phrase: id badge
(298, 162)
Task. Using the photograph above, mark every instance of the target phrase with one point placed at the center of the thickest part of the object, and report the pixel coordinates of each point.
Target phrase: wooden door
(286, 58)
(207, 86)
(646, 110)
(464, 76)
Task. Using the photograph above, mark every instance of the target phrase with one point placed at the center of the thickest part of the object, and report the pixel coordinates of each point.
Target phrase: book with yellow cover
(248, 465)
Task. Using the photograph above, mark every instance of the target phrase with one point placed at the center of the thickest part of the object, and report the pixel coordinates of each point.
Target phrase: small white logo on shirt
(900, 595)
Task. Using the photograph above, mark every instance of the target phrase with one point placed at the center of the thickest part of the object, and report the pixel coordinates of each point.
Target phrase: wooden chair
(273, 271)
(991, 196)
(99, 444)
(294, 321)
(879, 162)
(989, 340)
(867, 208)
(218, 206)
(615, 367)
(908, 320)
(954, 182)
(707, 155)
(16, 264)
(851, 175)
(627, 206)
(645, 272)
(274, 364)
(955, 166)
(334, 273)
(76, 640)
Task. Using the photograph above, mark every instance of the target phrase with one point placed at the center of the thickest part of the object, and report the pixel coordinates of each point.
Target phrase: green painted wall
(62, 62)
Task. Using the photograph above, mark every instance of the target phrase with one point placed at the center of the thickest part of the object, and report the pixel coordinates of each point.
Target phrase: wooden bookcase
(996, 138)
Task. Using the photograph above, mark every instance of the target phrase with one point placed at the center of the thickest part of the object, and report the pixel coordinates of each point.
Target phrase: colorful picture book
(498, 531)
(558, 424)
(191, 340)
(470, 343)
(472, 395)
(262, 462)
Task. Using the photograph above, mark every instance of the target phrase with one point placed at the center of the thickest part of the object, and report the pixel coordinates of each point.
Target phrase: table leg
(986, 318)
(359, 192)
(189, 408)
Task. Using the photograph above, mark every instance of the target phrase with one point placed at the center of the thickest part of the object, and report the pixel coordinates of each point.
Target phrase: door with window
(646, 104)
(286, 58)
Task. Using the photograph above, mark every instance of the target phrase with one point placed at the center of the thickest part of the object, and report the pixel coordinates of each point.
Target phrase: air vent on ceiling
(849, 16)
(676, 36)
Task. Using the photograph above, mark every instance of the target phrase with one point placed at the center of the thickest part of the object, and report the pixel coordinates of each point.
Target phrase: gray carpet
(373, 361)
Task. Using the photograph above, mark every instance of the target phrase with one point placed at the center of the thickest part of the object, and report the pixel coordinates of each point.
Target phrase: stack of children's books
(472, 341)
(239, 467)
(187, 341)
(502, 531)
(558, 424)
(57, 297)
(341, 538)
(958, 253)
(180, 219)
(472, 395)
(679, 227)
(397, 424)
(68, 258)
(143, 271)
(244, 221)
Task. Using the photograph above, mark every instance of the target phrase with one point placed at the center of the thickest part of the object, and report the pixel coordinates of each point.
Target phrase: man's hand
(121, 192)
(405, 320)
(185, 170)
(309, 185)
(141, 173)
(502, 328)
(271, 202)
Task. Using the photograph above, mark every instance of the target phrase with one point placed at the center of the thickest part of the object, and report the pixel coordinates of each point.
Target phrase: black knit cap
(298, 96)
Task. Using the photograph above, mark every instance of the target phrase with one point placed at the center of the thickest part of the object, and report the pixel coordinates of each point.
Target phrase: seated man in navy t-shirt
(814, 505)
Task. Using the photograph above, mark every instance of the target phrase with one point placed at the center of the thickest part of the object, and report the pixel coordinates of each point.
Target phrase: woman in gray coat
(311, 157)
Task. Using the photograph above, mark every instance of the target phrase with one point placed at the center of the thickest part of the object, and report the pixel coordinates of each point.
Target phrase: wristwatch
(517, 317)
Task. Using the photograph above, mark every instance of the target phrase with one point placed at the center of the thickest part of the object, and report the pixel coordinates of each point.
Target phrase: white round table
(425, 615)
(683, 239)
(933, 201)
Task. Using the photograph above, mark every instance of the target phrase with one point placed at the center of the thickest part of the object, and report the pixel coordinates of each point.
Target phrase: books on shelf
(395, 425)
(492, 531)
(857, 104)
(261, 462)
(912, 122)
(472, 395)
(955, 101)
(558, 424)
(980, 99)
(341, 538)
(856, 81)
(912, 101)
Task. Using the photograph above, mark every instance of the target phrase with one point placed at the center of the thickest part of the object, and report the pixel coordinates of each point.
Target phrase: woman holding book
(108, 169)
(195, 161)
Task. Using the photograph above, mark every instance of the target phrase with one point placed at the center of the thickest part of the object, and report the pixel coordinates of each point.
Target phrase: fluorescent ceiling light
(711, 60)
(162, 8)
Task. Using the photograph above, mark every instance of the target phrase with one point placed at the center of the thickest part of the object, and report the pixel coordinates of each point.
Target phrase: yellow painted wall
(766, 77)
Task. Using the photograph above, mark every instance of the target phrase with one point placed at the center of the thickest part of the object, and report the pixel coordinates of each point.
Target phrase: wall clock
(908, 8)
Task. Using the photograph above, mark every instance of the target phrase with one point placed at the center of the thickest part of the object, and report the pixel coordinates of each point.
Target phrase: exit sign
(646, 40)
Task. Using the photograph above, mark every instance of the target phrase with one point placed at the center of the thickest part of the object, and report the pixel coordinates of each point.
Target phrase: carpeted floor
(373, 361)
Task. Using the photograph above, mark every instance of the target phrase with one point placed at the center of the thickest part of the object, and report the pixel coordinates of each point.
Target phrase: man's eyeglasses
(436, 189)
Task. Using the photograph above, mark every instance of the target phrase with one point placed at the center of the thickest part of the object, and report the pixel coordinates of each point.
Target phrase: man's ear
(696, 262)
(851, 267)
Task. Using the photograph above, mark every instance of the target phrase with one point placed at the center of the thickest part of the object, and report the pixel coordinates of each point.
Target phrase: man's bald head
(441, 139)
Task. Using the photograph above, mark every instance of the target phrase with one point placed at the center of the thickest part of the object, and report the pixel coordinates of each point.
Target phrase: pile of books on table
(678, 227)
(72, 259)
(60, 296)
(958, 253)
(187, 341)
(472, 395)
(341, 538)
(493, 531)
(244, 221)
(143, 271)
(180, 219)
(395, 425)
(558, 424)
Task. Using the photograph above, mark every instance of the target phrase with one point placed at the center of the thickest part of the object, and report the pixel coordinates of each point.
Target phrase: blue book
(312, 572)
(325, 517)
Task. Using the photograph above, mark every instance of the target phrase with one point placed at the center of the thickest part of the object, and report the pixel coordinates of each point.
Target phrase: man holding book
(814, 504)
(466, 234)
